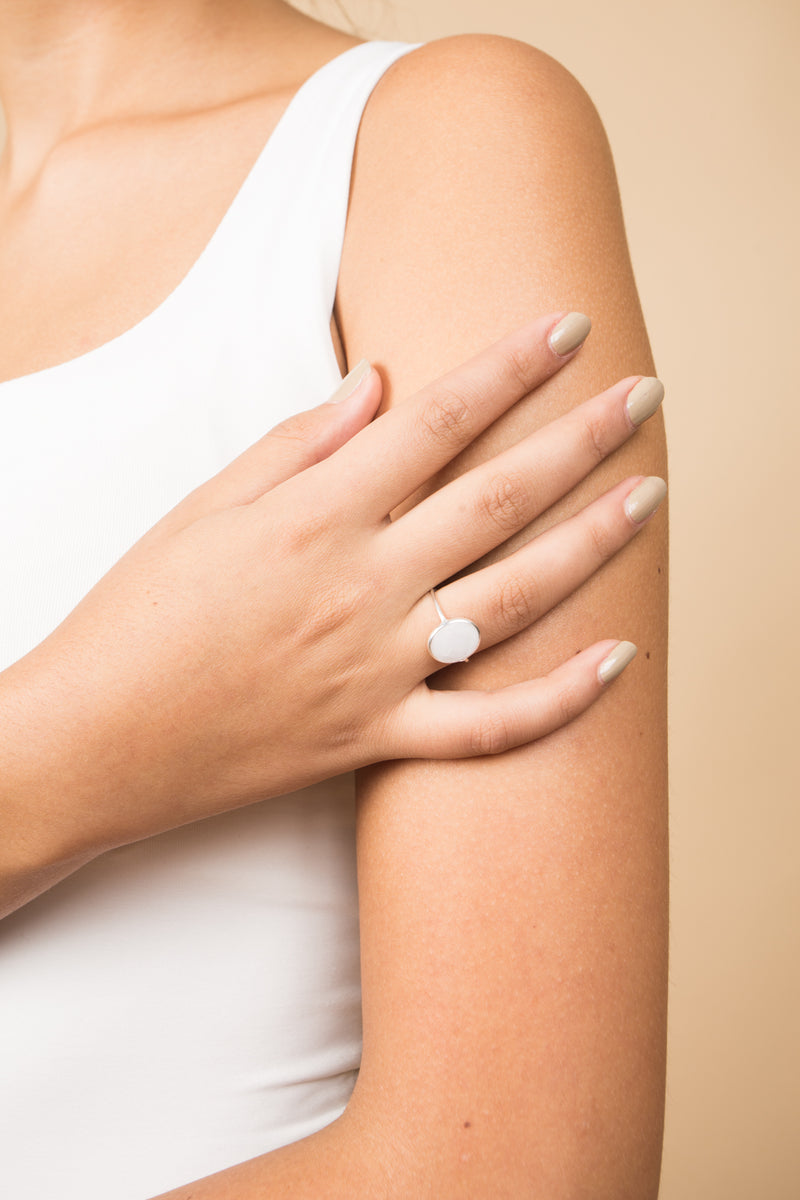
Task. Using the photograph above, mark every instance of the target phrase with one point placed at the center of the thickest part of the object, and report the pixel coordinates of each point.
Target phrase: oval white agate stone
(454, 641)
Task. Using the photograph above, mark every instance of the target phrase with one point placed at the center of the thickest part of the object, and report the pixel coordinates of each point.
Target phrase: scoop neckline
(216, 235)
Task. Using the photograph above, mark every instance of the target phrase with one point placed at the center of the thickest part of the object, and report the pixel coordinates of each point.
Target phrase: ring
(453, 641)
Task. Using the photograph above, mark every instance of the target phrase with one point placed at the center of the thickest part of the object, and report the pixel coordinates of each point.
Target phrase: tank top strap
(295, 200)
(328, 117)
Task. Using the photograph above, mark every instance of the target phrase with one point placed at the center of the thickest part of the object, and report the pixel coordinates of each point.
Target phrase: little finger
(467, 724)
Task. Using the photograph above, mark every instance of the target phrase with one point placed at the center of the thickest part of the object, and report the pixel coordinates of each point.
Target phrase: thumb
(299, 442)
(315, 434)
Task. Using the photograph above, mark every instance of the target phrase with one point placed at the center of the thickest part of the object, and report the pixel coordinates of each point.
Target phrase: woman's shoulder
(477, 112)
(483, 53)
(474, 153)
(476, 82)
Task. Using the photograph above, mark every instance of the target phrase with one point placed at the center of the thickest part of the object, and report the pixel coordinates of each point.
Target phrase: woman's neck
(68, 65)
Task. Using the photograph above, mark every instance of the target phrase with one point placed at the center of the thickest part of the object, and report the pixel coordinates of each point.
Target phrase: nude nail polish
(570, 333)
(616, 662)
(644, 399)
(351, 381)
(645, 498)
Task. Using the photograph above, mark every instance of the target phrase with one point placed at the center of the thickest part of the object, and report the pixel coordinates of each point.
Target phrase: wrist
(46, 786)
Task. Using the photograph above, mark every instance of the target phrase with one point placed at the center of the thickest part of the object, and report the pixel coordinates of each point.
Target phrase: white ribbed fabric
(193, 1000)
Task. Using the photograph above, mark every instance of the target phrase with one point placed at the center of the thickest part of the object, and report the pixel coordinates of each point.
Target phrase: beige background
(700, 100)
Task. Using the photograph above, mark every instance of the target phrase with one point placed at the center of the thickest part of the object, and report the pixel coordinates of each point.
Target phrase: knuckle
(309, 530)
(505, 502)
(490, 735)
(302, 428)
(337, 605)
(515, 608)
(523, 364)
(567, 704)
(447, 419)
(597, 435)
(602, 541)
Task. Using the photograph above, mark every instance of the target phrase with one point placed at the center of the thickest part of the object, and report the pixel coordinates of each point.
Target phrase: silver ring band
(452, 641)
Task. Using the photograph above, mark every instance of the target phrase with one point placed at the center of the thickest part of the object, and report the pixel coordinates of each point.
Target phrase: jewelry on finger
(453, 640)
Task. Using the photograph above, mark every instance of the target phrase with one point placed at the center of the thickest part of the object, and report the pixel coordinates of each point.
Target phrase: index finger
(407, 445)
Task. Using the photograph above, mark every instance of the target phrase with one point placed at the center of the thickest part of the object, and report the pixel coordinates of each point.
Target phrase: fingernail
(570, 332)
(644, 399)
(645, 498)
(616, 662)
(351, 381)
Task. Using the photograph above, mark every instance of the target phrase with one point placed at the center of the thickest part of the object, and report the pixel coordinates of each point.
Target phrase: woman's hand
(271, 630)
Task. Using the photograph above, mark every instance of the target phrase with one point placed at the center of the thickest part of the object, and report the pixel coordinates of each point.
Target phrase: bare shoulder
(484, 194)
(480, 97)
(462, 73)
(477, 155)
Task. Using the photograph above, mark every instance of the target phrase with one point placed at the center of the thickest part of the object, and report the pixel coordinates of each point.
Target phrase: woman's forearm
(181, 685)
(45, 787)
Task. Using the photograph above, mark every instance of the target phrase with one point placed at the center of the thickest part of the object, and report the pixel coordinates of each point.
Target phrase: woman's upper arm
(513, 909)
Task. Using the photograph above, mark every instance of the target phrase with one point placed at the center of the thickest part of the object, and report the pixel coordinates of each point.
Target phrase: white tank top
(190, 1001)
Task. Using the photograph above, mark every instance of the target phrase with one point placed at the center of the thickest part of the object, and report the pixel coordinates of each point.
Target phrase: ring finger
(507, 596)
(485, 506)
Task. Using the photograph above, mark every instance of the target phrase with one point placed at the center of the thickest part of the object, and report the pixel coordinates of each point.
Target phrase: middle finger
(485, 506)
(407, 445)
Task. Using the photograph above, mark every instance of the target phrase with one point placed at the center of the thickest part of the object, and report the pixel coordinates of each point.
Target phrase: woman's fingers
(299, 442)
(461, 724)
(483, 507)
(408, 444)
(309, 437)
(398, 453)
(508, 596)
